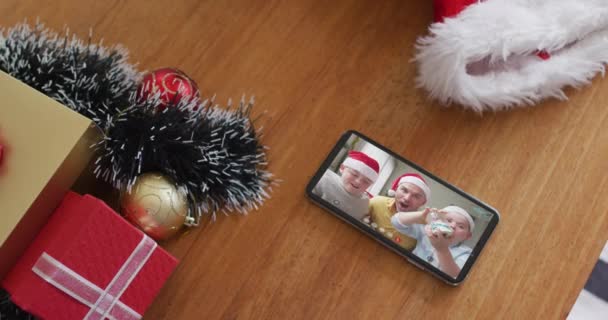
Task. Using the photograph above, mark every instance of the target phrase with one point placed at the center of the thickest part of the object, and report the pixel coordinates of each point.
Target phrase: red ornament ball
(172, 84)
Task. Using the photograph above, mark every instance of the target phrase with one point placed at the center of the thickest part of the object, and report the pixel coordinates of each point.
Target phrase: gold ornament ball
(155, 205)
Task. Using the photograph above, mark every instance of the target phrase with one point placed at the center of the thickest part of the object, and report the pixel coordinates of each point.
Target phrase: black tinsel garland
(214, 154)
(9, 311)
(82, 76)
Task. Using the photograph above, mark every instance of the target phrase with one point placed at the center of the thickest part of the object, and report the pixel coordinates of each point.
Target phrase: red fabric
(367, 160)
(414, 175)
(91, 239)
(449, 8)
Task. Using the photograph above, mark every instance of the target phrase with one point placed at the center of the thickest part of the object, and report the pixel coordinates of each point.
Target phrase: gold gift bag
(46, 146)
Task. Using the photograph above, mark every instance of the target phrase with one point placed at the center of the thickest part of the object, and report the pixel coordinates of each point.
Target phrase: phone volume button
(417, 264)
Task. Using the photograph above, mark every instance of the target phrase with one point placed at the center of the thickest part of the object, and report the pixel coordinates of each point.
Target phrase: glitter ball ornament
(155, 205)
(172, 85)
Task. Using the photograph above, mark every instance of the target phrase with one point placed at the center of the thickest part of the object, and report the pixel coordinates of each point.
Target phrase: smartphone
(431, 223)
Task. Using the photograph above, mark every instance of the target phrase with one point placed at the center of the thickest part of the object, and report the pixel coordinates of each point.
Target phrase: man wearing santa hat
(410, 192)
(347, 191)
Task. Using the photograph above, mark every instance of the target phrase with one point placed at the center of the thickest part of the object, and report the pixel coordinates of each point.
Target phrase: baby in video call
(440, 235)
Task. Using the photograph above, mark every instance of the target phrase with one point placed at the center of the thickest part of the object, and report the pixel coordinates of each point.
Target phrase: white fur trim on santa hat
(508, 34)
(363, 168)
(462, 212)
(417, 182)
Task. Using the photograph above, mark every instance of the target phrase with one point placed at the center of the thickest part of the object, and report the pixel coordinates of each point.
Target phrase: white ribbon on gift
(102, 303)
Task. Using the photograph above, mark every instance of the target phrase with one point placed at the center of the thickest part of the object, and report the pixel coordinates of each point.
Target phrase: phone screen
(429, 221)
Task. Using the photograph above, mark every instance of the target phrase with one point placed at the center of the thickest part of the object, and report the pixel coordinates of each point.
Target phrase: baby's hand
(438, 214)
(438, 240)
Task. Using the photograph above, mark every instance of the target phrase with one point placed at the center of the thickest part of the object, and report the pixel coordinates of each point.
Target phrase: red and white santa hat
(462, 212)
(414, 179)
(498, 54)
(363, 163)
(448, 8)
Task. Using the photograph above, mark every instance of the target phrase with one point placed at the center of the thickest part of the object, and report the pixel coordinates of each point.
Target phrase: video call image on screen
(414, 211)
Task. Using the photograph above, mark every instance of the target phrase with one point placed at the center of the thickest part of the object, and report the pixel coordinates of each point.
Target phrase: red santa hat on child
(414, 179)
(462, 212)
(363, 163)
(497, 54)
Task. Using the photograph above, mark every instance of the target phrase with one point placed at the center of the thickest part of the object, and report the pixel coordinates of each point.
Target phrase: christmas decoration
(213, 154)
(88, 263)
(34, 127)
(156, 205)
(172, 85)
(82, 76)
(498, 54)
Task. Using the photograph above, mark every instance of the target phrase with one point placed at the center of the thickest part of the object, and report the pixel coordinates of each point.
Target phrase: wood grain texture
(318, 68)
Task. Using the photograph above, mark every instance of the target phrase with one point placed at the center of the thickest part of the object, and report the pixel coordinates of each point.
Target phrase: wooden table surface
(318, 68)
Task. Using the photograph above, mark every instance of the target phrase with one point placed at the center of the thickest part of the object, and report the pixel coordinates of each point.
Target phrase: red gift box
(88, 262)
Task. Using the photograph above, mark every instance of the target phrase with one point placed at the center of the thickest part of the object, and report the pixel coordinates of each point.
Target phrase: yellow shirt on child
(381, 209)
